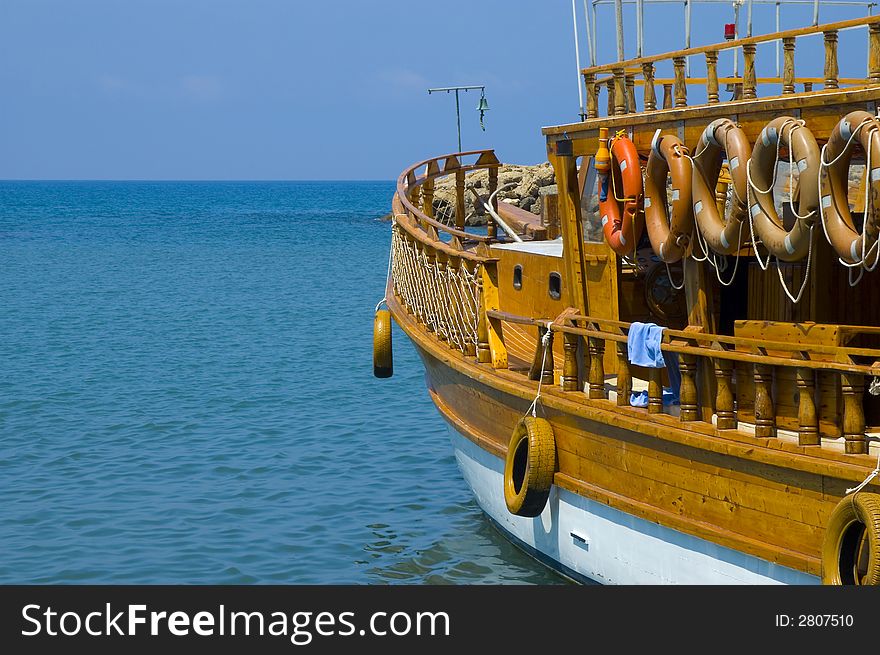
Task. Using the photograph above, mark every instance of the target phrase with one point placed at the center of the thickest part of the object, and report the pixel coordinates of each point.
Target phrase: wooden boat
(764, 470)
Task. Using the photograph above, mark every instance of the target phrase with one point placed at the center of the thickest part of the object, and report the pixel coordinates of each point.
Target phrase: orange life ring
(794, 244)
(670, 237)
(721, 139)
(848, 243)
(620, 213)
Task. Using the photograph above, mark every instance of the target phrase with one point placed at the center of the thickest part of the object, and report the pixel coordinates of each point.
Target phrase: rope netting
(444, 296)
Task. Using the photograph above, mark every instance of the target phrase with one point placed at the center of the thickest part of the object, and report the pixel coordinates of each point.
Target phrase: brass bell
(483, 107)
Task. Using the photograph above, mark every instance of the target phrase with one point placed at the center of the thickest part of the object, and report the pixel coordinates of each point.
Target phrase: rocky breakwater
(519, 185)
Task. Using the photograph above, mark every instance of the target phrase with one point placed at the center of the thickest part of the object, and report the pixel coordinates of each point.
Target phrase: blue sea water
(186, 395)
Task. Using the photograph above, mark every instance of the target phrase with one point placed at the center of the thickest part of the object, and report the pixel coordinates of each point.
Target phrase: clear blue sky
(290, 89)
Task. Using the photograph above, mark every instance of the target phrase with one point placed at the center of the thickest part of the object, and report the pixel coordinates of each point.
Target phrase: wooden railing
(416, 192)
(718, 355)
(624, 75)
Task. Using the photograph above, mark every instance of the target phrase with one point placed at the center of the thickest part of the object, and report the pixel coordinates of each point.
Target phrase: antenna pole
(577, 57)
(618, 10)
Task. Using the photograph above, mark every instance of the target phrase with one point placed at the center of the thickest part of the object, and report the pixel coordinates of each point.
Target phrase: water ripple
(187, 395)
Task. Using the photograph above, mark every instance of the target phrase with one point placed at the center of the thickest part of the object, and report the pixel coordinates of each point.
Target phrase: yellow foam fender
(529, 466)
(851, 548)
(382, 360)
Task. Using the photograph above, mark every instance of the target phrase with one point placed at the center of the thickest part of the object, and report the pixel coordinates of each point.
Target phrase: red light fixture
(730, 31)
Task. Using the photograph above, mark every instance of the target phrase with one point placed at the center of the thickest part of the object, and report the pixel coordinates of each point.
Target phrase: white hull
(591, 541)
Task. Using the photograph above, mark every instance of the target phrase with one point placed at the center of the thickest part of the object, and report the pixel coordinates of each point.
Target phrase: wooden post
(592, 95)
(808, 86)
(765, 415)
(611, 100)
(680, 82)
(630, 94)
(831, 60)
(545, 372)
(597, 367)
(667, 96)
(655, 391)
(440, 297)
(808, 421)
(852, 386)
(428, 197)
(459, 200)
(788, 64)
(570, 363)
(619, 92)
(750, 82)
(571, 225)
(624, 379)
(874, 53)
(712, 77)
(650, 97)
(724, 395)
(431, 258)
(490, 338)
(491, 228)
(688, 394)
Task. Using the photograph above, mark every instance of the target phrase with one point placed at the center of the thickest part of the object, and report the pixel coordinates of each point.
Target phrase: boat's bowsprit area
(689, 327)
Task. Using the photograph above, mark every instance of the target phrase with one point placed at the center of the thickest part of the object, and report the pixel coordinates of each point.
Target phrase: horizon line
(100, 179)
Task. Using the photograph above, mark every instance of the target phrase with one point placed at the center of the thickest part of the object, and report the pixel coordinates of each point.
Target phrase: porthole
(555, 286)
(517, 277)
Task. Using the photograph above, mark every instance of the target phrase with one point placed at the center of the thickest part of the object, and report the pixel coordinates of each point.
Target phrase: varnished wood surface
(764, 496)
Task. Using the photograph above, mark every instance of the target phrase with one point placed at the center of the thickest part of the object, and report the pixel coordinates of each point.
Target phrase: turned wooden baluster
(688, 392)
(611, 101)
(680, 82)
(619, 92)
(831, 60)
(570, 363)
(650, 97)
(852, 387)
(655, 391)
(630, 94)
(459, 200)
(788, 64)
(597, 367)
(667, 96)
(592, 95)
(808, 420)
(442, 301)
(874, 53)
(470, 348)
(750, 82)
(430, 316)
(536, 371)
(624, 379)
(491, 228)
(724, 394)
(428, 197)
(765, 415)
(808, 86)
(712, 77)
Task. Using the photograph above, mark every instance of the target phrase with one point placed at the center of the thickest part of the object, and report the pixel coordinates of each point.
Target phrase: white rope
(862, 264)
(445, 299)
(873, 474)
(545, 342)
(713, 262)
(806, 272)
(752, 188)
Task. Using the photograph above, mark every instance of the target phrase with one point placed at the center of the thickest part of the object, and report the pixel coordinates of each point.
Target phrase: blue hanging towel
(643, 345)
